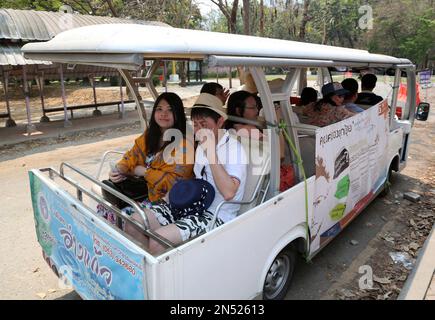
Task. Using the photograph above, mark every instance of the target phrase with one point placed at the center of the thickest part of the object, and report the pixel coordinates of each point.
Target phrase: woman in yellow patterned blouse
(147, 157)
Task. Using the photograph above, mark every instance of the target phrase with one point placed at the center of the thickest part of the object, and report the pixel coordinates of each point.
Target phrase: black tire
(279, 275)
(388, 183)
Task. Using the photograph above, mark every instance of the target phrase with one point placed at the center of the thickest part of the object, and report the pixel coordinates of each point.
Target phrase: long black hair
(154, 134)
(308, 95)
(236, 106)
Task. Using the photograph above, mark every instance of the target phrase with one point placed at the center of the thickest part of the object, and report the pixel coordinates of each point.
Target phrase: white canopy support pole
(40, 82)
(394, 98)
(270, 115)
(137, 98)
(411, 108)
(122, 113)
(96, 112)
(292, 78)
(10, 122)
(30, 126)
(230, 79)
(66, 123)
(149, 79)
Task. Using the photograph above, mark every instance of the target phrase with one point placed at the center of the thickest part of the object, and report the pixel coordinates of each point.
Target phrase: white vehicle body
(231, 261)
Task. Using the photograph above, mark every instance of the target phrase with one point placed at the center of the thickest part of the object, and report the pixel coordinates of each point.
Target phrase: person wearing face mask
(330, 108)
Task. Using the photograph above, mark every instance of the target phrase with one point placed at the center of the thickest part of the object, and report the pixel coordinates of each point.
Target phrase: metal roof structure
(18, 27)
(11, 55)
(128, 44)
(21, 26)
(30, 25)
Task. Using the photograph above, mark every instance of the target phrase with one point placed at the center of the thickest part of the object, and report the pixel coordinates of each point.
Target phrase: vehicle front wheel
(279, 276)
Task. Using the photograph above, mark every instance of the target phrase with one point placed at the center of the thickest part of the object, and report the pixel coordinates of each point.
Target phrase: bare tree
(112, 8)
(230, 13)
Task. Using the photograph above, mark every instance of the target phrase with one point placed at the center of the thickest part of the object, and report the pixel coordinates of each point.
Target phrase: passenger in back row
(351, 85)
(366, 96)
(330, 109)
(217, 90)
(307, 101)
(221, 161)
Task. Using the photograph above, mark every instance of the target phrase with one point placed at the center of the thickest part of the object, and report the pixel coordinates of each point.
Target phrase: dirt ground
(389, 224)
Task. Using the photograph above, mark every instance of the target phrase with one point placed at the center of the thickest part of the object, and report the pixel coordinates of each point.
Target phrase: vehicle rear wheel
(279, 276)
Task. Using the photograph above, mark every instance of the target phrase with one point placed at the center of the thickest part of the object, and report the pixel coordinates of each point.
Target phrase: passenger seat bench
(257, 178)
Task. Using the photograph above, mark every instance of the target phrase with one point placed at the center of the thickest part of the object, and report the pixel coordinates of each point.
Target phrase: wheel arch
(295, 238)
(394, 163)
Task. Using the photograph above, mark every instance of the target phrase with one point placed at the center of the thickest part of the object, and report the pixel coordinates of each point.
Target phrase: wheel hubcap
(276, 276)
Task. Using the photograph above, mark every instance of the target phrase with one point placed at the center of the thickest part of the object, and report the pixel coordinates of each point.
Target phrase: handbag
(133, 187)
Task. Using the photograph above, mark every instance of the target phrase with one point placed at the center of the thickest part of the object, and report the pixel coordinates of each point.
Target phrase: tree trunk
(183, 76)
(261, 18)
(305, 19)
(233, 17)
(112, 8)
(324, 33)
(246, 20)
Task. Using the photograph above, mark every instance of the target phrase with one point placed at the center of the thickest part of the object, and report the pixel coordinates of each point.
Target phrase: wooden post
(10, 122)
(188, 71)
(217, 75)
(165, 83)
(30, 126)
(122, 113)
(66, 122)
(96, 111)
(40, 83)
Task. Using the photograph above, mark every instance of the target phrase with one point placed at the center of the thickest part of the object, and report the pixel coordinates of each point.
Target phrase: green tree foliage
(181, 13)
(403, 28)
(335, 22)
(47, 5)
(406, 30)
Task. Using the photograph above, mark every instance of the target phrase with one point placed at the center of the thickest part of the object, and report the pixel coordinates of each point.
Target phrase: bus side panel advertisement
(87, 257)
(351, 162)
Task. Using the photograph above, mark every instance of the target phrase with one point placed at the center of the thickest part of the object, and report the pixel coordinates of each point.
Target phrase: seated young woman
(246, 105)
(142, 173)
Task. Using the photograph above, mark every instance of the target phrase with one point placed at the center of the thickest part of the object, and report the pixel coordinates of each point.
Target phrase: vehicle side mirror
(422, 111)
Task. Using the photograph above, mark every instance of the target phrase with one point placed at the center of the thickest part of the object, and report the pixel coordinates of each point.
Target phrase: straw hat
(249, 84)
(275, 85)
(209, 101)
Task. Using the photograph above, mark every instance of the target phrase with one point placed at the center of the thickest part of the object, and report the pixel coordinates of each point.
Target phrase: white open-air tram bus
(344, 167)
